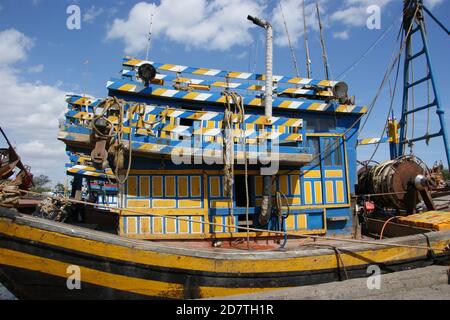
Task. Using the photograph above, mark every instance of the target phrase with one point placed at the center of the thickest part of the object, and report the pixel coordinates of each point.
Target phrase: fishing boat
(193, 182)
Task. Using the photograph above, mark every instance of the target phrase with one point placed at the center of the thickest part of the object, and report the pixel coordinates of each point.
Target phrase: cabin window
(319, 123)
(314, 143)
(186, 122)
(332, 152)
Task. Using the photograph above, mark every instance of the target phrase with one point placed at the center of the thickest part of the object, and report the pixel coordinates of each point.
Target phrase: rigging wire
(294, 59)
(343, 74)
(391, 107)
(397, 60)
(386, 77)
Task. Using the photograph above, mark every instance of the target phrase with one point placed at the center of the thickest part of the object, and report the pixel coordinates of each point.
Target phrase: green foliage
(446, 173)
(41, 184)
(59, 189)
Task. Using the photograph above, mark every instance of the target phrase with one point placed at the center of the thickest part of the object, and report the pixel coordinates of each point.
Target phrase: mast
(322, 42)
(305, 32)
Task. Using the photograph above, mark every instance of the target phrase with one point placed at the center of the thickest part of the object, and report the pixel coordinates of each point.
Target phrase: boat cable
(385, 225)
(391, 108)
(388, 73)
(294, 59)
(344, 73)
(334, 146)
(239, 100)
(228, 154)
(303, 236)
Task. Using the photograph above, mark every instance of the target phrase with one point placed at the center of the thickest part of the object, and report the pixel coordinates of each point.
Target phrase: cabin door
(333, 171)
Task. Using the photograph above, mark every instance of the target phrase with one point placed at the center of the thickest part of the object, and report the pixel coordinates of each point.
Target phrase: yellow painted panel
(132, 186)
(145, 225)
(157, 227)
(295, 201)
(219, 220)
(334, 174)
(312, 174)
(318, 192)
(196, 227)
(132, 225)
(284, 185)
(258, 185)
(329, 191)
(230, 222)
(195, 187)
(164, 203)
(214, 187)
(157, 186)
(189, 203)
(308, 192)
(340, 191)
(170, 186)
(220, 204)
(290, 222)
(138, 203)
(182, 187)
(144, 186)
(302, 221)
(171, 225)
(183, 226)
(295, 185)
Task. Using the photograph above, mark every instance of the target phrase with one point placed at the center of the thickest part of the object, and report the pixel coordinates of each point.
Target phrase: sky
(42, 60)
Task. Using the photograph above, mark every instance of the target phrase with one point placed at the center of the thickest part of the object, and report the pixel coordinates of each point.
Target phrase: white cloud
(36, 69)
(354, 12)
(293, 15)
(13, 46)
(343, 35)
(30, 111)
(92, 13)
(213, 25)
(433, 3)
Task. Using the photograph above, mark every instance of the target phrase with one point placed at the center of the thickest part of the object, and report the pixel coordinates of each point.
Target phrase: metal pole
(322, 42)
(149, 36)
(440, 112)
(269, 63)
(269, 71)
(305, 32)
(268, 101)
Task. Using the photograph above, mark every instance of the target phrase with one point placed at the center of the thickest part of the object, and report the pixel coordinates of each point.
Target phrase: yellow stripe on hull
(225, 265)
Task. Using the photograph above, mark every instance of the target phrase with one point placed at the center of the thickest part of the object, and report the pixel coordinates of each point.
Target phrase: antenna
(149, 39)
(305, 32)
(322, 42)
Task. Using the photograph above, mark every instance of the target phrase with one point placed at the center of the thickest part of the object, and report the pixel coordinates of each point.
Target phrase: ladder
(413, 22)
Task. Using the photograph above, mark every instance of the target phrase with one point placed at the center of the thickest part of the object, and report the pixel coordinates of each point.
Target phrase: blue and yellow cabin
(196, 137)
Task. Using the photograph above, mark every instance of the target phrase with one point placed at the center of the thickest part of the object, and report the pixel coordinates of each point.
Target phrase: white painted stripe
(169, 93)
(295, 105)
(202, 97)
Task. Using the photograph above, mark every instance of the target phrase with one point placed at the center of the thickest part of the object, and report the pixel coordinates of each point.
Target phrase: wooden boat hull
(35, 255)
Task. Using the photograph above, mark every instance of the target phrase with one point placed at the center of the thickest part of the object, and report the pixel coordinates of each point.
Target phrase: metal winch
(396, 184)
